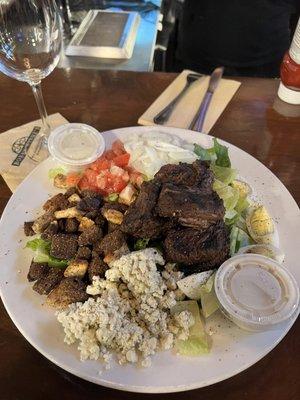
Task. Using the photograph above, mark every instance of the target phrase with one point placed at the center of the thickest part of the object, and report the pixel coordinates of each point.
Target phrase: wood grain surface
(255, 120)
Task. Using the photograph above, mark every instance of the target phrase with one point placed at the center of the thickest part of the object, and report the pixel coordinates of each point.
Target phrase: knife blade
(198, 120)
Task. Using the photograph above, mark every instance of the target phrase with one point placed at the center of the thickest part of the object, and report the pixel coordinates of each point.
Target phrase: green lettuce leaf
(205, 154)
(41, 248)
(238, 238)
(224, 174)
(198, 342)
(221, 152)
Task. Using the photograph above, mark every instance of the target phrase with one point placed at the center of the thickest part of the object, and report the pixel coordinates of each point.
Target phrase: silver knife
(198, 120)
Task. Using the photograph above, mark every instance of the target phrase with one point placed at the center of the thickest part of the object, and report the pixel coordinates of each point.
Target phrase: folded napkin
(187, 107)
(14, 165)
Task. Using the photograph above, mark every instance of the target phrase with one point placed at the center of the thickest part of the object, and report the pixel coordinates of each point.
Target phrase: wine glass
(30, 44)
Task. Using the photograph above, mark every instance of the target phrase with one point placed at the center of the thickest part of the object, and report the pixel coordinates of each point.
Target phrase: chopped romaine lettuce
(191, 284)
(198, 342)
(221, 152)
(208, 297)
(218, 154)
(224, 174)
(141, 244)
(228, 194)
(112, 197)
(238, 239)
(55, 171)
(41, 248)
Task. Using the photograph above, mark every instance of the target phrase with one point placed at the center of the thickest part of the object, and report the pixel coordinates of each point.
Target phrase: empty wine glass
(30, 43)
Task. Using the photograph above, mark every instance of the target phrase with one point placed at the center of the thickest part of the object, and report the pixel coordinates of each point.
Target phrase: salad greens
(208, 297)
(217, 154)
(41, 248)
(198, 342)
(112, 197)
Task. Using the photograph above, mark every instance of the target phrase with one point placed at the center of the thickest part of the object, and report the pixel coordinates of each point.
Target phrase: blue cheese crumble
(129, 313)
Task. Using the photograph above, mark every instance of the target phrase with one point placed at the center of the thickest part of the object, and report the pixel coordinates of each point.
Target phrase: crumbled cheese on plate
(129, 315)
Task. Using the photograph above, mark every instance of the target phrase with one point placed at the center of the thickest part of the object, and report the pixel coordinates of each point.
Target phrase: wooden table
(254, 120)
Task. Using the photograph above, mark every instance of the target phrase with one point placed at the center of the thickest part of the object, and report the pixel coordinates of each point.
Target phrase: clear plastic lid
(76, 144)
(256, 292)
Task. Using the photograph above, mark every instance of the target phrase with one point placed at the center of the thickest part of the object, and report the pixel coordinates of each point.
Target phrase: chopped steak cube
(71, 225)
(37, 271)
(51, 230)
(92, 214)
(140, 219)
(90, 236)
(48, 282)
(28, 228)
(57, 202)
(89, 204)
(84, 253)
(190, 205)
(64, 246)
(72, 190)
(112, 241)
(97, 267)
(69, 290)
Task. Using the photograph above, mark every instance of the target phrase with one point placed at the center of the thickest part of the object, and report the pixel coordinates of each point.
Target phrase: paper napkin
(186, 109)
(14, 165)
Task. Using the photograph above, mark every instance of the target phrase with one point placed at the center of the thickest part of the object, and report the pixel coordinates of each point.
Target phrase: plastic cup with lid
(256, 293)
(75, 145)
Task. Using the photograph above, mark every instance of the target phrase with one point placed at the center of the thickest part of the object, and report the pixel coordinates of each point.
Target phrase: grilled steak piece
(57, 202)
(64, 246)
(37, 271)
(61, 224)
(84, 253)
(71, 225)
(51, 230)
(191, 206)
(28, 228)
(69, 290)
(204, 250)
(140, 219)
(183, 174)
(46, 283)
(100, 220)
(97, 267)
(111, 242)
(90, 236)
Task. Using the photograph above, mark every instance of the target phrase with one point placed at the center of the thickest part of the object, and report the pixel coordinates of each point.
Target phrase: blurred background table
(255, 120)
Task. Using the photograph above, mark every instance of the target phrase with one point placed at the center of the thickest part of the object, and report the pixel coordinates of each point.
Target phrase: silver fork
(164, 114)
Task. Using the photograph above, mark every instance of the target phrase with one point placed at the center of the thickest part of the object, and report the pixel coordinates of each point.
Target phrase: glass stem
(37, 92)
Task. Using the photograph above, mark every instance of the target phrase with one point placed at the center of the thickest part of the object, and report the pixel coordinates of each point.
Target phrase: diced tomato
(122, 160)
(125, 176)
(73, 178)
(109, 155)
(101, 181)
(91, 176)
(119, 185)
(84, 183)
(100, 164)
(118, 147)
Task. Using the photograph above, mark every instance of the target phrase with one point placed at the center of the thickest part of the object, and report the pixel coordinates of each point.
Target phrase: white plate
(233, 349)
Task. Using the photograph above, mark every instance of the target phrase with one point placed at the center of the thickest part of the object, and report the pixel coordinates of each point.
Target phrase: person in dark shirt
(247, 37)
